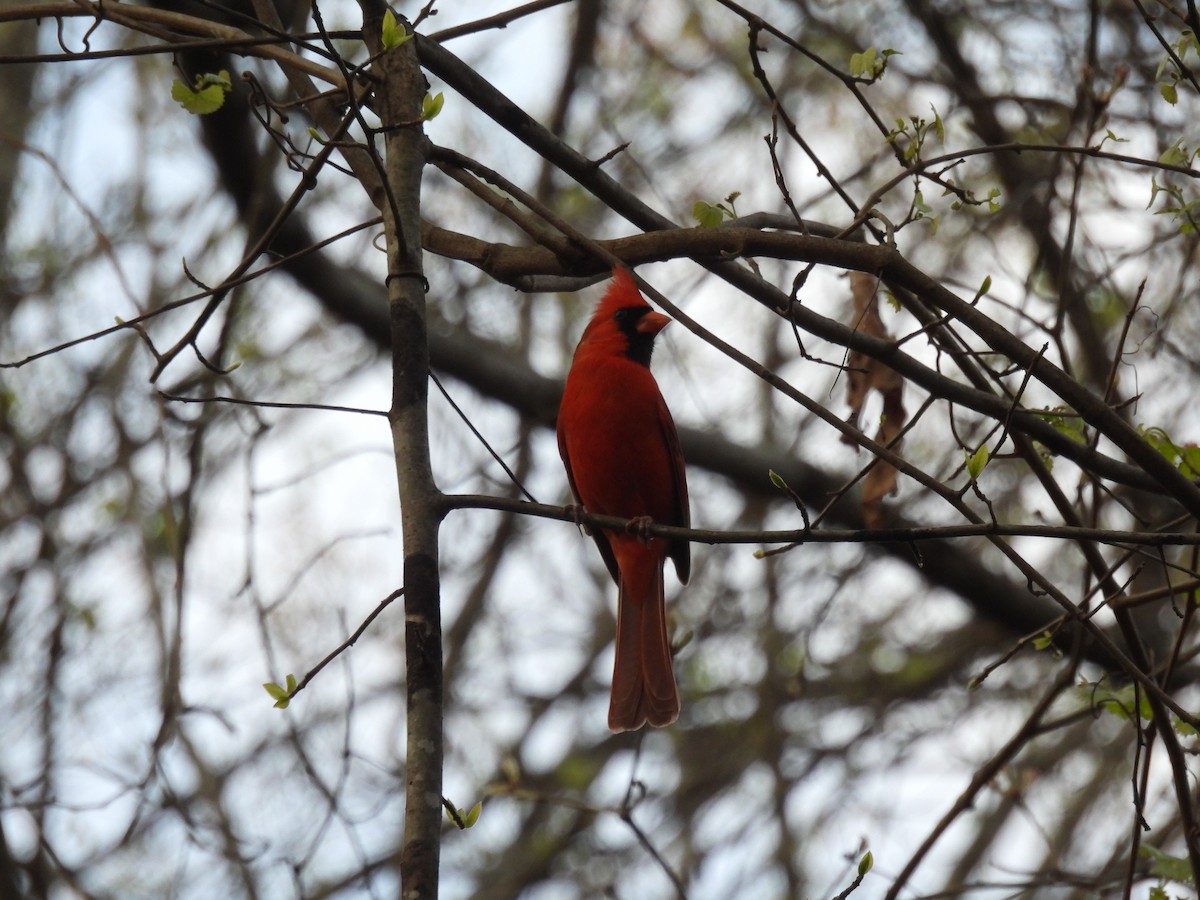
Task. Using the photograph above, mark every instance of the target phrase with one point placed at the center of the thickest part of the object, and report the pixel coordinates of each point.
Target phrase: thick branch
(399, 99)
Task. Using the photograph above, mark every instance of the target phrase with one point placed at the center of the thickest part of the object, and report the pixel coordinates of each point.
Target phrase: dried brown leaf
(864, 375)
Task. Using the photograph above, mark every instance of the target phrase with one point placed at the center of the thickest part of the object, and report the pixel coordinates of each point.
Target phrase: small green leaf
(867, 61)
(1175, 155)
(1189, 460)
(977, 461)
(464, 818)
(706, 214)
(393, 34)
(473, 816)
(1169, 92)
(1119, 702)
(777, 480)
(206, 96)
(432, 105)
(1164, 865)
(1161, 441)
(983, 289)
(870, 63)
(1155, 187)
(1185, 458)
(278, 694)
(1169, 211)
(1043, 640)
(866, 863)
(1065, 421)
(281, 695)
(938, 125)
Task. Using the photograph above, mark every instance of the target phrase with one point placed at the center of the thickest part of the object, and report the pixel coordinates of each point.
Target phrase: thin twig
(268, 404)
(346, 644)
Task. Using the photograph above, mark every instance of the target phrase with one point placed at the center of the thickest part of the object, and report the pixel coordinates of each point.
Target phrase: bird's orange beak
(652, 323)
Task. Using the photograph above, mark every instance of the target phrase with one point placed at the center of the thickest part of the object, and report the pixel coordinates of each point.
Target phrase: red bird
(622, 455)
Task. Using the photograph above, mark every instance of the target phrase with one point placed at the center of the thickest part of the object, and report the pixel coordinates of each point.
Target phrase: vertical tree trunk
(398, 102)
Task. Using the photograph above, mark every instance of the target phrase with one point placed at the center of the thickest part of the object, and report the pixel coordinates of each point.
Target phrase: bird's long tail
(643, 685)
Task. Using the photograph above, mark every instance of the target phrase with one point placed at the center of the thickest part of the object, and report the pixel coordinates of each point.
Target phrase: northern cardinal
(622, 455)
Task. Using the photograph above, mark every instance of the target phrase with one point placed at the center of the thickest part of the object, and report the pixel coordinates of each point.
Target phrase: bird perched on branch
(622, 455)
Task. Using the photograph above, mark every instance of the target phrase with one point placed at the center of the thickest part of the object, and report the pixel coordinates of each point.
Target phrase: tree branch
(399, 101)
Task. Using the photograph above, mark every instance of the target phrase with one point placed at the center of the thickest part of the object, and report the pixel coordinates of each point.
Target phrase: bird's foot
(639, 527)
(577, 512)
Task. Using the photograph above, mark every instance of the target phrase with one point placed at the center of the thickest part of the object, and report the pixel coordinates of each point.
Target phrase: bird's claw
(577, 512)
(639, 527)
